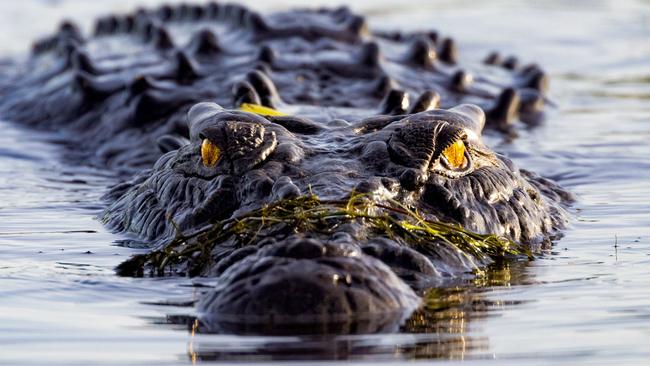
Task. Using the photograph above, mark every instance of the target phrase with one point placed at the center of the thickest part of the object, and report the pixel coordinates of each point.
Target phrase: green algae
(309, 214)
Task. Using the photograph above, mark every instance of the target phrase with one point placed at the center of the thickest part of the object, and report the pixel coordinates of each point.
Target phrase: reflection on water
(586, 302)
(447, 327)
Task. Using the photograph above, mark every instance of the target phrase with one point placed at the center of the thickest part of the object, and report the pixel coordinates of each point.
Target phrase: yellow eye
(260, 109)
(209, 153)
(455, 154)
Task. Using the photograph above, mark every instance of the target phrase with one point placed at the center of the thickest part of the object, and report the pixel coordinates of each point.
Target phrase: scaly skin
(154, 86)
(396, 159)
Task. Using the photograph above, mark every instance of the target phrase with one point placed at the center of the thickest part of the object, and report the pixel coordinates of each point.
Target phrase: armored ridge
(348, 214)
(131, 84)
(283, 155)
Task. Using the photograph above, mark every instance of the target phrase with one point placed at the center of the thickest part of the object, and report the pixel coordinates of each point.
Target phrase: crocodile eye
(454, 155)
(209, 153)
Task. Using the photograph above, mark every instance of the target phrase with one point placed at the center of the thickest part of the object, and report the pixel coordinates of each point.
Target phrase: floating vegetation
(309, 214)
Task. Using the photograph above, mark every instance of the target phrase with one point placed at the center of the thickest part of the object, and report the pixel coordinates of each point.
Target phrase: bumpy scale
(239, 111)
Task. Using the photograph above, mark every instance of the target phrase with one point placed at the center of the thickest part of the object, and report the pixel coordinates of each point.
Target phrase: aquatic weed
(309, 214)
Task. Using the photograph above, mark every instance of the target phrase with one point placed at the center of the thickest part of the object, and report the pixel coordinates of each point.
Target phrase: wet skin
(348, 270)
(237, 111)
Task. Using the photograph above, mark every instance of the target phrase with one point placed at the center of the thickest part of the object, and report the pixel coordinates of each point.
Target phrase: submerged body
(302, 121)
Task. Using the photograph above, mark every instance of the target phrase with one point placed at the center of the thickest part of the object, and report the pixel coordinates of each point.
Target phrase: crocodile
(283, 155)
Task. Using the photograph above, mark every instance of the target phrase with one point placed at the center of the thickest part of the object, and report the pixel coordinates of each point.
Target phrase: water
(586, 302)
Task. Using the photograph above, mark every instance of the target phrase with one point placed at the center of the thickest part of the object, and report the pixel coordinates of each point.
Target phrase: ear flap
(247, 151)
(413, 144)
(244, 144)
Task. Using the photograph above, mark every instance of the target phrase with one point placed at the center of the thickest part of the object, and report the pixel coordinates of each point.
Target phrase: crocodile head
(335, 261)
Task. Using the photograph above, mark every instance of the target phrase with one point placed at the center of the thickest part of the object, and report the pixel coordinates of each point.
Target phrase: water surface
(587, 301)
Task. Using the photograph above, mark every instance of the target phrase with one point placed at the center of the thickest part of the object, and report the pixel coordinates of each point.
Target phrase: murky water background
(586, 302)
